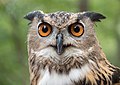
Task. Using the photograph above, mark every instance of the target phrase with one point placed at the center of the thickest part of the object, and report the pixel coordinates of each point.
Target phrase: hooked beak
(59, 43)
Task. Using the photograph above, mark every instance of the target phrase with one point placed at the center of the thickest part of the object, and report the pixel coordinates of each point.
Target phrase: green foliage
(13, 33)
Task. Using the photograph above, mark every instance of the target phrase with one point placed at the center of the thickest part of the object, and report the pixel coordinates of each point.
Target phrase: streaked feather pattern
(82, 61)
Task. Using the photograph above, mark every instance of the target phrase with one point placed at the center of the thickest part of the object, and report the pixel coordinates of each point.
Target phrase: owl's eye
(76, 29)
(44, 29)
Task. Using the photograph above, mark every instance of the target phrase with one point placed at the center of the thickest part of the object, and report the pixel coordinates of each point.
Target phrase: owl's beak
(59, 43)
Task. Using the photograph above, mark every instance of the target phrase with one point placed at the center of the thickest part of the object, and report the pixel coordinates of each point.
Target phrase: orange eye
(76, 29)
(44, 29)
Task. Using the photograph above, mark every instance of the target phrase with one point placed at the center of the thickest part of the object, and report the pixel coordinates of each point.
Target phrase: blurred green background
(13, 32)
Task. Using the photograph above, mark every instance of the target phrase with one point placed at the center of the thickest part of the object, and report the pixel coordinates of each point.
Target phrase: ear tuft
(30, 16)
(95, 17)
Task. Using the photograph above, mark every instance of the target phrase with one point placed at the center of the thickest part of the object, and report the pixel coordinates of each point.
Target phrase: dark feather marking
(84, 81)
(104, 81)
(94, 16)
(78, 83)
(88, 83)
(32, 62)
(98, 80)
(116, 76)
(30, 16)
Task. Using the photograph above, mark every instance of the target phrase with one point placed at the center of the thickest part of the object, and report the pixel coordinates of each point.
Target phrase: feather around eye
(44, 29)
(76, 29)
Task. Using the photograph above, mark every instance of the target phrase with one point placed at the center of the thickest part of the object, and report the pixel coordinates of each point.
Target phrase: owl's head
(61, 35)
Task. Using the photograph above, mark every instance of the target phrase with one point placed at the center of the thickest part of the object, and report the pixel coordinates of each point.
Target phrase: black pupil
(45, 29)
(77, 28)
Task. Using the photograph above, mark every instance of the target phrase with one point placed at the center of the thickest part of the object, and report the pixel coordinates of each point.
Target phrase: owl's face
(60, 36)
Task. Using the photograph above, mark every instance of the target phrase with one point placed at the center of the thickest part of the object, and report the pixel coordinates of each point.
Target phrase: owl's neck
(95, 70)
(89, 74)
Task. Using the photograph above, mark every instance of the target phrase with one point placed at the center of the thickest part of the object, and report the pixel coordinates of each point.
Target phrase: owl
(63, 50)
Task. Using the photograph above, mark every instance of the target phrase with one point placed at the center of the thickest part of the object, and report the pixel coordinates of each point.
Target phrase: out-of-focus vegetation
(13, 32)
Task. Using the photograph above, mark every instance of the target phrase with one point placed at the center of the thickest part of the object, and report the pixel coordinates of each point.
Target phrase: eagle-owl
(63, 50)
